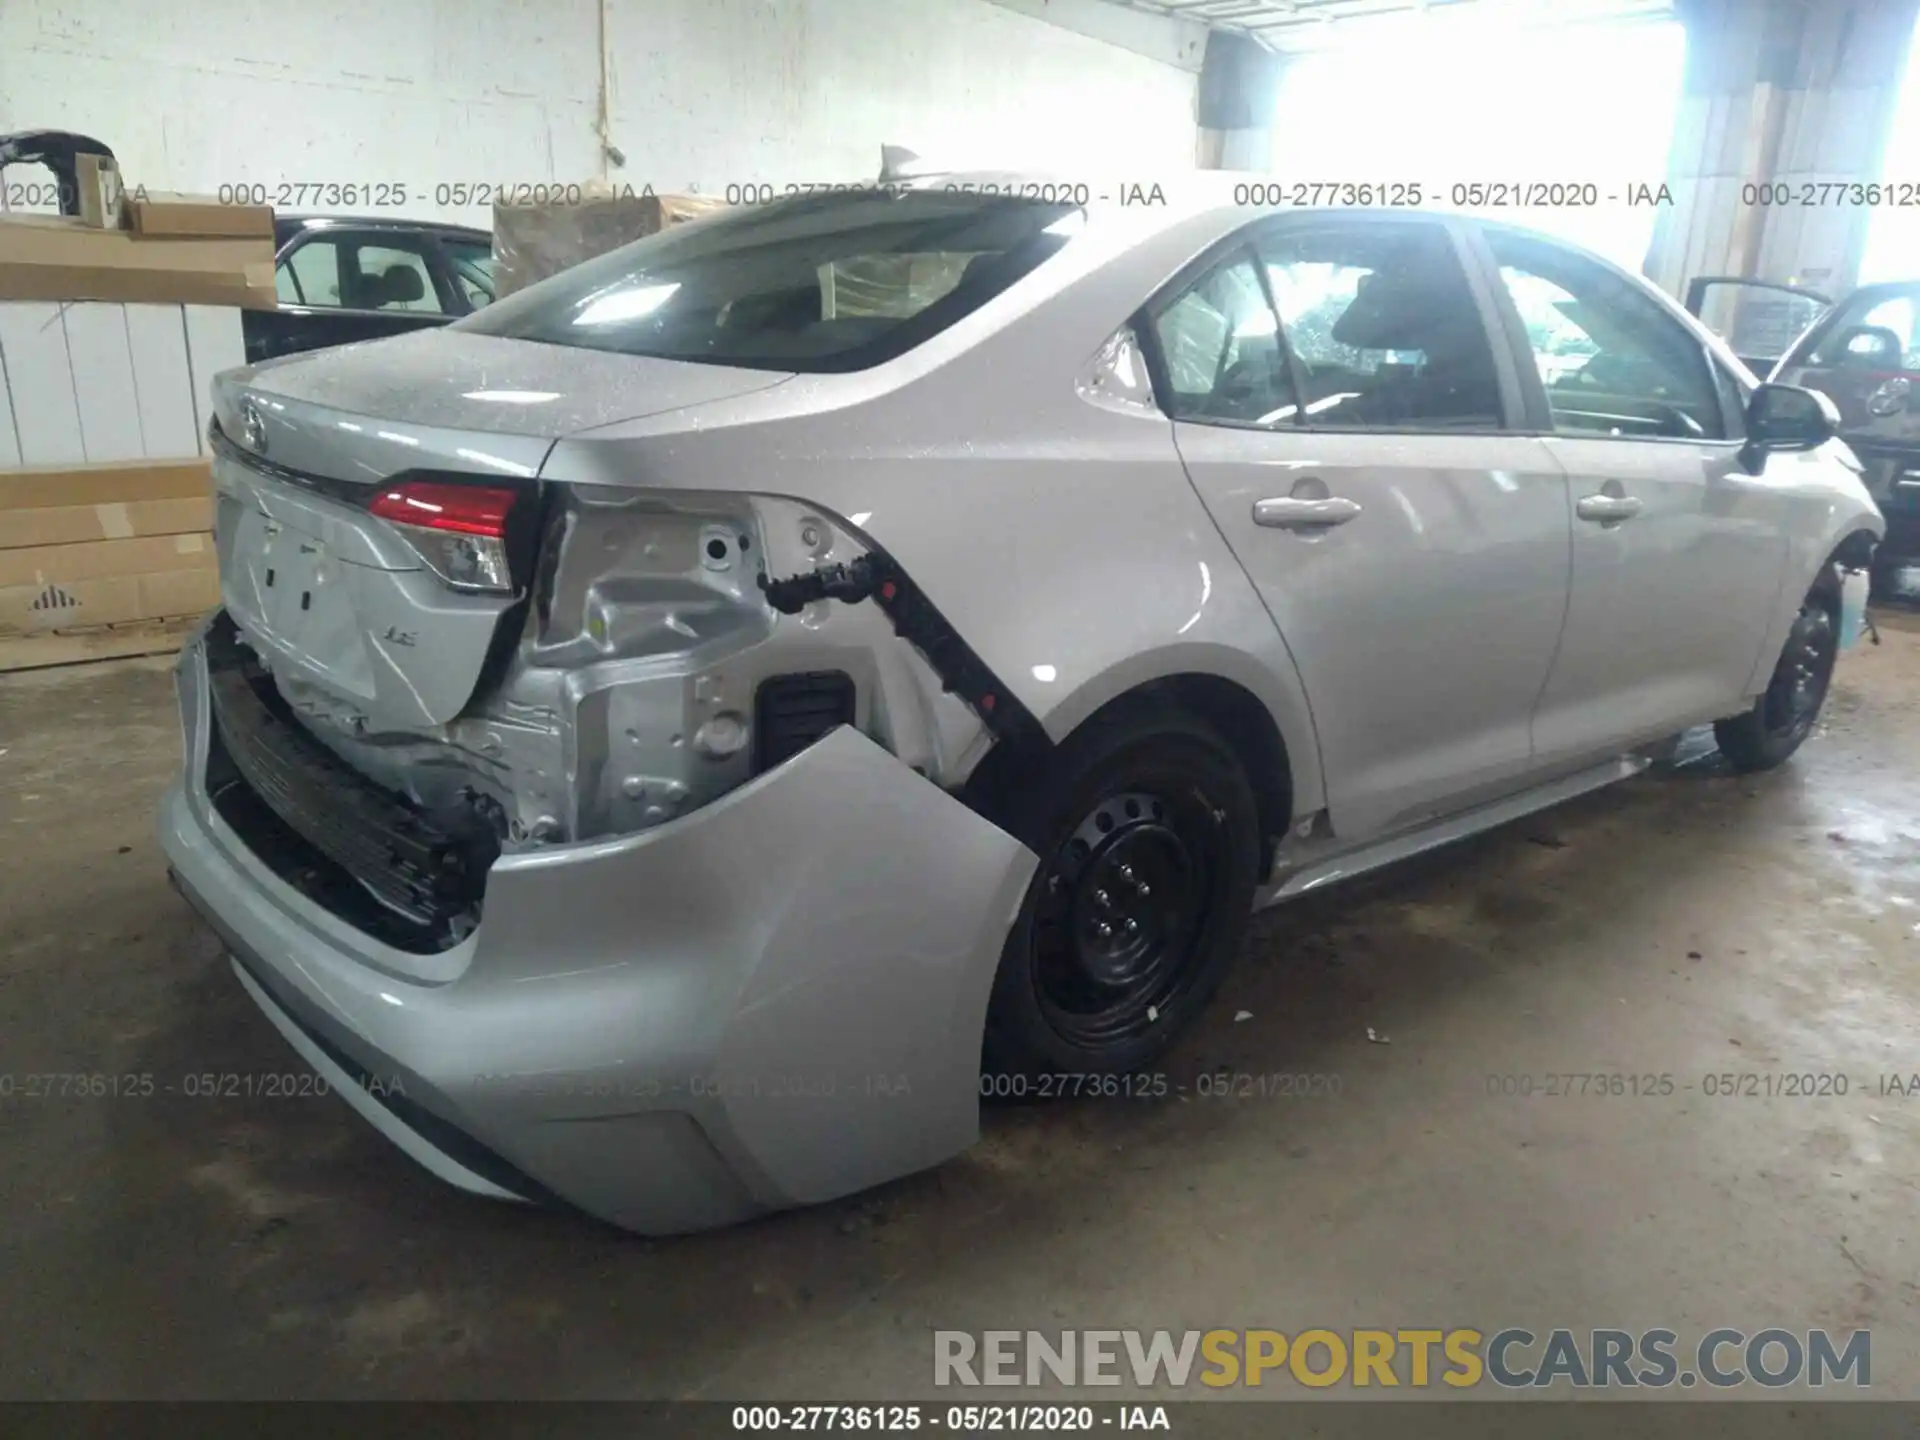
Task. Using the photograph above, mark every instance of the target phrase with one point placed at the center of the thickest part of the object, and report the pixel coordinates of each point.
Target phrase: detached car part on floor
(666, 733)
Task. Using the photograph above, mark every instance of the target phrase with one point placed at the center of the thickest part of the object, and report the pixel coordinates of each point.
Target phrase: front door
(1341, 412)
(1678, 553)
(1759, 319)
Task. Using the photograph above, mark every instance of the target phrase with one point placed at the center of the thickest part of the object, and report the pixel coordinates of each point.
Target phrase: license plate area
(297, 593)
(291, 568)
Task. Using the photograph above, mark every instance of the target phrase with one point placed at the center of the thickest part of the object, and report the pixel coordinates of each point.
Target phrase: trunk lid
(339, 601)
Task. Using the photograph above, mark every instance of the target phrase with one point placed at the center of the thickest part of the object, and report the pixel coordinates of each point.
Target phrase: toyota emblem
(253, 429)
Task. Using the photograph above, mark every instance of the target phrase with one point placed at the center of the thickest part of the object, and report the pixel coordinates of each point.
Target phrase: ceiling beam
(1292, 25)
(1144, 29)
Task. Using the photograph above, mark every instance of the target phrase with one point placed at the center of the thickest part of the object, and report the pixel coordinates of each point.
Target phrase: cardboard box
(103, 485)
(42, 565)
(103, 545)
(100, 192)
(110, 520)
(531, 242)
(158, 212)
(112, 600)
(44, 257)
(102, 642)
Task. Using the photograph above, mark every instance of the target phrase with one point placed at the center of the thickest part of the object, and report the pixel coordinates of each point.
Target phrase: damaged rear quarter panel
(650, 640)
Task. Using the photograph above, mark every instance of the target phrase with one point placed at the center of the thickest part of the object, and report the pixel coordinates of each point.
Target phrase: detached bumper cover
(773, 1001)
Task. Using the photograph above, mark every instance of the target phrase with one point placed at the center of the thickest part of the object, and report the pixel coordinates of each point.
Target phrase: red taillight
(462, 509)
(459, 531)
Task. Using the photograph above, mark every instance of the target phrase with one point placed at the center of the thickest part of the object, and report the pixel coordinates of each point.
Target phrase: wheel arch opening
(1249, 727)
(1229, 707)
(1855, 552)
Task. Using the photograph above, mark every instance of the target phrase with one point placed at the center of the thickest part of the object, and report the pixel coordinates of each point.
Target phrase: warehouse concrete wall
(703, 93)
(1786, 92)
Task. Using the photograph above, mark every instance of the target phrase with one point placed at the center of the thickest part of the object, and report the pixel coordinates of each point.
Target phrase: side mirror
(1786, 417)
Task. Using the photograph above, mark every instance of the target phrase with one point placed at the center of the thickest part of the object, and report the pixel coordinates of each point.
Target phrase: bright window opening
(1496, 97)
(1893, 232)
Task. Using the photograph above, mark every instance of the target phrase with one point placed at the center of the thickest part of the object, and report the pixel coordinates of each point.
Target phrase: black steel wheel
(1784, 715)
(1799, 685)
(1148, 838)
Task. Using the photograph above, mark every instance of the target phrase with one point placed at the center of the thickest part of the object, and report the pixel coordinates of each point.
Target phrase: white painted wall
(705, 93)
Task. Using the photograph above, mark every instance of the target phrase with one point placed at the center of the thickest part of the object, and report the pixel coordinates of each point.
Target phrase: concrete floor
(1688, 922)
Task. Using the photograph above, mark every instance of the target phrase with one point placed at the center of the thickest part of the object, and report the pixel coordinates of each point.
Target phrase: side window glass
(390, 278)
(472, 267)
(1222, 351)
(472, 286)
(1384, 328)
(312, 272)
(1876, 335)
(1612, 360)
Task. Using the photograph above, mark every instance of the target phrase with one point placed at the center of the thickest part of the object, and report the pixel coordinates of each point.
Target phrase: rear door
(1678, 553)
(1349, 424)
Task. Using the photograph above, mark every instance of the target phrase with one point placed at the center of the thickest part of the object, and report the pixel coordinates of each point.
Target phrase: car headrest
(978, 265)
(1393, 310)
(399, 284)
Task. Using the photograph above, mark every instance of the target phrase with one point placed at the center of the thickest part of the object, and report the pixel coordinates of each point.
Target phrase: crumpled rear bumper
(775, 1000)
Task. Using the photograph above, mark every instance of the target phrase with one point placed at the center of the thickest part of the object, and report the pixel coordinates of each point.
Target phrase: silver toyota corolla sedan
(675, 738)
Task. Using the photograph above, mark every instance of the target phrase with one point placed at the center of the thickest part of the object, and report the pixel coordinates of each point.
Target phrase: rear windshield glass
(838, 281)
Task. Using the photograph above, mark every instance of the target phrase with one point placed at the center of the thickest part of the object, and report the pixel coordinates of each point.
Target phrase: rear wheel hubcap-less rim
(1121, 915)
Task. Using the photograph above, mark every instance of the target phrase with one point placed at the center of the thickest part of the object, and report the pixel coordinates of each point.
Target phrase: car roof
(1880, 290)
(290, 223)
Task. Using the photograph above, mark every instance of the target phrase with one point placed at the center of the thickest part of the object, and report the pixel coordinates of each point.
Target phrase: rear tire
(1784, 715)
(1148, 835)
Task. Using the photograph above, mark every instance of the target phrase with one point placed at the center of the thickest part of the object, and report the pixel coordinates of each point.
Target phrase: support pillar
(1790, 95)
(1239, 81)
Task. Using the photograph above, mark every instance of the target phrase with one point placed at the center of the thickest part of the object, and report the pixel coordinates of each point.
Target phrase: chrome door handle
(1290, 513)
(1607, 508)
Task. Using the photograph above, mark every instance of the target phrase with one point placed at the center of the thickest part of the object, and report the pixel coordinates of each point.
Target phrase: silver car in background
(669, 735)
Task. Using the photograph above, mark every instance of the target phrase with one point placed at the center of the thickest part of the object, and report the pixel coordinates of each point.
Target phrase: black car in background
(337, 278)
(341, 279)
(1863, 353)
